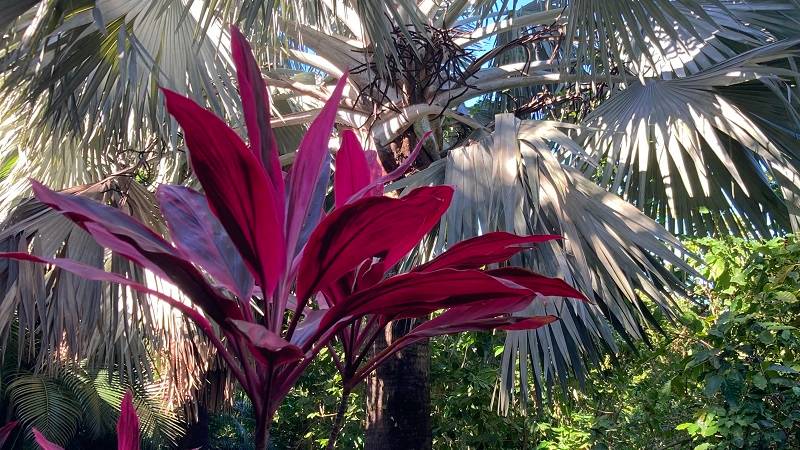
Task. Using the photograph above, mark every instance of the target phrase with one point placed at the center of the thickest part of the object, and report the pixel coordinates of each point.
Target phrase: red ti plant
(273, 279)
(5, 432)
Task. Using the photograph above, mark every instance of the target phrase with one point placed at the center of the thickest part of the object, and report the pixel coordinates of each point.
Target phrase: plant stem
(338, 421)
(263, 426)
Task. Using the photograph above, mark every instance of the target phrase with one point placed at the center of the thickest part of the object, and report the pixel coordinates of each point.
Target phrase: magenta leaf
(43, 442)
(255, 105)
(526, 323)
(126, 236)
(375, 168)
(309, 166)
(200, 238)
(5, 431)
(308, 327)
(81, 210)
(376, 185)
(316, 209)
(371, 227)
(127, 425)
(504, 322)
(482, 250)
(436, 327)
(96, 274)
(352, 169)
(272, 348)
(237, 188)
(418, 293)
(540, 284)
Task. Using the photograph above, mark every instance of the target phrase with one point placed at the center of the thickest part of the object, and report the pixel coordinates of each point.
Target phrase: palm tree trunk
(398, 399)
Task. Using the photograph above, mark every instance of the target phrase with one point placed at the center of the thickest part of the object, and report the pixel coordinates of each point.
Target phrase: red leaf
(378, 182)
(43, 442)
(93, 273)
(375, 168)
(200, 237)
(127, 425)
(418, 293)
(237, 189)
(540, 284)
(371, 227)
(308, 166)
(5, 431)
(352, 170)
(81, 210)
(255, 104)
(482, 250)
(308, 326)
(270, 347)
(504, 322)
(126, 236)
(438, 327)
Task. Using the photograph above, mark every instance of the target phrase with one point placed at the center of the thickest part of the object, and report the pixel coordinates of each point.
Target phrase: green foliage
(746, 355)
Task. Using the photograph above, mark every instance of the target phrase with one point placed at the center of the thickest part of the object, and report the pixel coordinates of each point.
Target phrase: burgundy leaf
(540, 284)
(127, 425)
(482, 250)
(271, 347)
(377, 182)
(309, 166)
(96, 274)
(308, 326)
(43, 442)
(5, 431)
(375, 168)
(418, 293)
(371, 227)
(237, 188)
(81, 209)
(504, 322)
(527, 323)
(200, 237)
(255, 104)
(126, 236)
(316, 209)
(352, 170)
(436, 327)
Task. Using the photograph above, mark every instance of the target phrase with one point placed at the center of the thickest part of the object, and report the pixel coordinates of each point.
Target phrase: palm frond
(511, 180)
(670, 38)
(86, 75)
(696, 155)
(73, 398)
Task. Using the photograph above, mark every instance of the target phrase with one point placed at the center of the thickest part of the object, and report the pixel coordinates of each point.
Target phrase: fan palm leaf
(511, 180)
(671, 38)
(686, 152)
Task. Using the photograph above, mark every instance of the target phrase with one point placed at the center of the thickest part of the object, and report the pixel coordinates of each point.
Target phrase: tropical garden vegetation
(611, 187)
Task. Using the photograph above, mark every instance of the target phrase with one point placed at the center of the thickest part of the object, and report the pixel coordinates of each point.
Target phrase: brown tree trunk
(398, 398)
